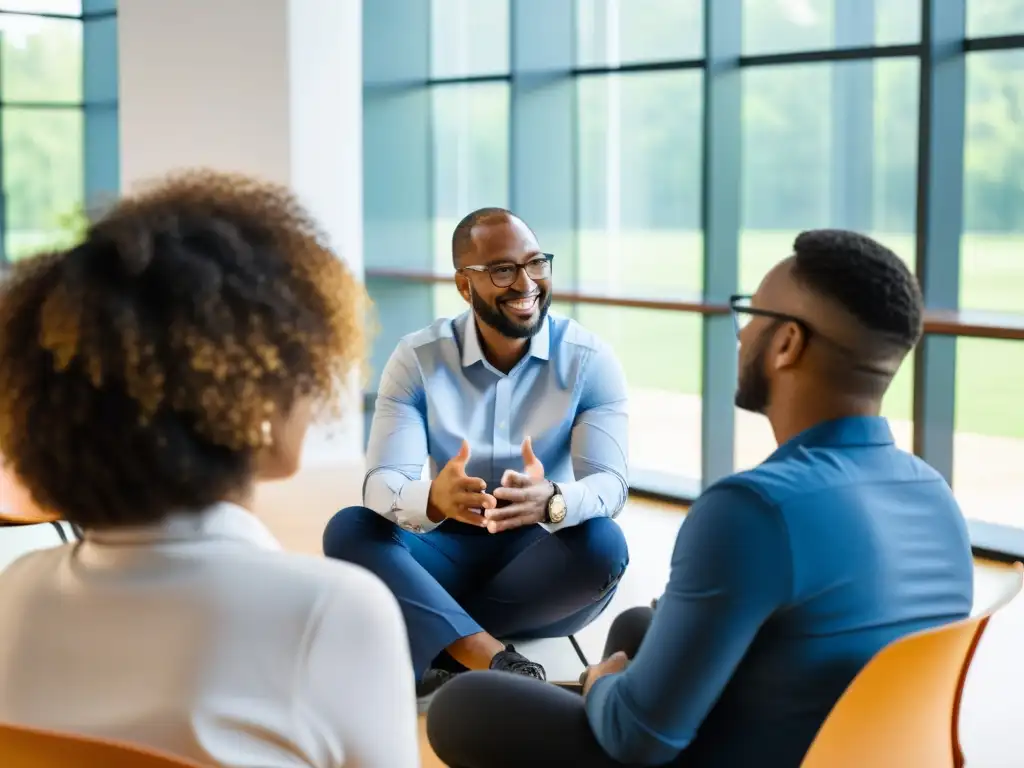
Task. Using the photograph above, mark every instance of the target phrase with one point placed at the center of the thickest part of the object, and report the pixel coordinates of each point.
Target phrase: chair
(903, 709)
(17, 507)
(8, 520)
(22, 747)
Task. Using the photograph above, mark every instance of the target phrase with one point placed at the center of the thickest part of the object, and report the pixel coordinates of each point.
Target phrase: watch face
(556, 509)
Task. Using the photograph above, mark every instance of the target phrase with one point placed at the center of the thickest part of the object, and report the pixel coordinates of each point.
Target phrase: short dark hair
(462, 237)
(865, 278)
(137, 368)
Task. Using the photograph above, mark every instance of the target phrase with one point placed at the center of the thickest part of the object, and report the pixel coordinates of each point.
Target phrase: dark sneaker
(511, 661)
(432, 680)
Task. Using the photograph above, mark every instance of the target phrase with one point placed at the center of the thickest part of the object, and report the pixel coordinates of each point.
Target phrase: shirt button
(502, 425)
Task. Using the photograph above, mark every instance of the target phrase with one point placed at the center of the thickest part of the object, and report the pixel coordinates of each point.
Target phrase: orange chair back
(903, 709)
(16, 505)
(35, 748)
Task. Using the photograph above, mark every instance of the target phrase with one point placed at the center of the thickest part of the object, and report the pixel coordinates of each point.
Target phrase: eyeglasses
(505, 273)
(743, 313)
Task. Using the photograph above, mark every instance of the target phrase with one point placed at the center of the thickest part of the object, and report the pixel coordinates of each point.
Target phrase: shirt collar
(540, 343)
(846, 432)
(221, 521)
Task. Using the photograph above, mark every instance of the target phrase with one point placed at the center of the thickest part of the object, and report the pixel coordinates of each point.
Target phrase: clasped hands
(521, 499)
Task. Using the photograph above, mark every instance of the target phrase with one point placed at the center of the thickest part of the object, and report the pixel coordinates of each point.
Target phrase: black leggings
(499, 720)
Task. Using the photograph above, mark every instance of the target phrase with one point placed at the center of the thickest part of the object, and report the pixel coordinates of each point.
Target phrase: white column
(271, 88)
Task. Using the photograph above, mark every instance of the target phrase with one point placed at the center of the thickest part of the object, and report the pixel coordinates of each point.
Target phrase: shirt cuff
(574, 495)
(411, 507)
(597, 698)
(607, 714)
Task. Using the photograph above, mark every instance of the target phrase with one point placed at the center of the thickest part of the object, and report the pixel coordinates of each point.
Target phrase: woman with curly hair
(149, 377)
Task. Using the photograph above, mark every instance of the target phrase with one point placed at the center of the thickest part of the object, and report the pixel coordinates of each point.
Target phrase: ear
(281, 453)
(788, 346)
(462, 283)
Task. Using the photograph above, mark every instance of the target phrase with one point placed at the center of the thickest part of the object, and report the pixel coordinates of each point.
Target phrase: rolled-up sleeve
(731, 569)
(599, 444)
(397, 449)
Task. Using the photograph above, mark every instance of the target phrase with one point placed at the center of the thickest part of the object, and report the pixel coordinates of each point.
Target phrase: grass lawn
(662, 349)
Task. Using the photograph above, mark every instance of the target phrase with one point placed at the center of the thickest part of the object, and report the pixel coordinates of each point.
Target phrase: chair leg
(60, 531)
(579, 651)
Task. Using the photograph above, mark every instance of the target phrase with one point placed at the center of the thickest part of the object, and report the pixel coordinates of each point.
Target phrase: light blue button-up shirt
(568, 394)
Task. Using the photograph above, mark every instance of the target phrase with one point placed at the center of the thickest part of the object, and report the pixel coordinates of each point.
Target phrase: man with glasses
(524, 415)
(785, 579)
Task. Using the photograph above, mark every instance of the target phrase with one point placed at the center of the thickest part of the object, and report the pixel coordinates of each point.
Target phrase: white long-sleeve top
(202, 638)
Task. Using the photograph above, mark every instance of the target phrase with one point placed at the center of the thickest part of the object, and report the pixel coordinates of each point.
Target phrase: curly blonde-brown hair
(137, 368)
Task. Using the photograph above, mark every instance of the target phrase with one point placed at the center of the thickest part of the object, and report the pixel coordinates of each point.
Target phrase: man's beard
(753, 390)
(503, 324)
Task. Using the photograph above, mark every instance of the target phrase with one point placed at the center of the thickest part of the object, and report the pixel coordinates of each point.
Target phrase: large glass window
(41, 60)
(989, 442)
(638, 171)
(827, 145)
(64, 7)
(660, 353)
(987, 18)
(41, 124)
(42, 175)
(590, 117)
(470, 126)
(638, 231)
(470, 37)
(610, 33)
(784, 26)
(992, 247)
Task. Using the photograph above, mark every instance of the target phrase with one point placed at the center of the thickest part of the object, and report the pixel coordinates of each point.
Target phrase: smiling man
(521, 416)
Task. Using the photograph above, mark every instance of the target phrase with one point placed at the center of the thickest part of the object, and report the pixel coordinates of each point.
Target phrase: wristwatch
(556, 507)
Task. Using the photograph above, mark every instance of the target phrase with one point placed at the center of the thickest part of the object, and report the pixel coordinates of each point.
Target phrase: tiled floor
(297, 510)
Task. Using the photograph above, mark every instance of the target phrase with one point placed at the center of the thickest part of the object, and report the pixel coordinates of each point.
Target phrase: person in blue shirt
(785, 579)
(522, 418)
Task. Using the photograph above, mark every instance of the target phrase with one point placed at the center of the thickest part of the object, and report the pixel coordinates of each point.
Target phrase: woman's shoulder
(323, 571)
(312, 573)
(340, 595)
(24, 566)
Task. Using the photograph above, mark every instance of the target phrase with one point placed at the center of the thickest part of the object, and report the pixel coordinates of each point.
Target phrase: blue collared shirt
(785, 580)
(568, 394)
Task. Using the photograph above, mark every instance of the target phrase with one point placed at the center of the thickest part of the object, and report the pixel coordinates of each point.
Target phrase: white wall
(267, 87)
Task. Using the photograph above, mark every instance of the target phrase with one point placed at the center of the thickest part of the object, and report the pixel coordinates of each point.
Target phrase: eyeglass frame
(803, 325)
(737, 309)
(545, 258)
(799, 322)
